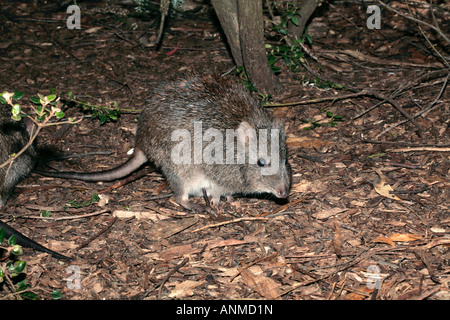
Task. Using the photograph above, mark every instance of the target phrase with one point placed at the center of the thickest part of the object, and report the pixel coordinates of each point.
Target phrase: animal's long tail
(134, 163)
(27, 242)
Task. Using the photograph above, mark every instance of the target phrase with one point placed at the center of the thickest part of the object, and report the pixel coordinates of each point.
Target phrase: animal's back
(194, 104)
(211, 100)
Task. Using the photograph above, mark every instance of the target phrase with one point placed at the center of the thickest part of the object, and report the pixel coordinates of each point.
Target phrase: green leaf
(376, 155)
(46, 213)
(17, 250)
(35, 100)
(15, 109)
(17, 95)
(51, 97)
(22, 285)
(56, 295)
(16, 267)
(29, 295)
(309, 38)
(294, 20)
(60, 114)
(12, 240)
(95, 197)
(2, 235)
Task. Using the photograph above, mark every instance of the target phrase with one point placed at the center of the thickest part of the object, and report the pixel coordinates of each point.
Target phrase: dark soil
(340, 229)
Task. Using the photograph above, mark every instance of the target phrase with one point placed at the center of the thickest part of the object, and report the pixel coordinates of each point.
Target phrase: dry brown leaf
(265, 286)
(354, 296)
(398, 237)
(178, 251)
(384, 240)
(403, 237)
(185, 289)
(382, 188)
(325, 214)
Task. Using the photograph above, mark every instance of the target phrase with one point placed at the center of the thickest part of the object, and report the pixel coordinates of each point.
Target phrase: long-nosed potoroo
(206, 133)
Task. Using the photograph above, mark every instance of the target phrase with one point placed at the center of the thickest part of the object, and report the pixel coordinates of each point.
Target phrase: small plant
(95, 198)
(244, 79)
(102, 113)
(330, 120)
(12, 269)
(289, 50)
(44, 110)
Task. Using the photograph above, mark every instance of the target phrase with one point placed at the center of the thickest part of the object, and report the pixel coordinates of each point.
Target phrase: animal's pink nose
(282, 192)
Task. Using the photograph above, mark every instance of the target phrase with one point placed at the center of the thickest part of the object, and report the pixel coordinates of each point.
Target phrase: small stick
(230, 221)
(205, 196)
(170, 274)
(124, 181)
(69, 217)
(419, 149)
(97, 235)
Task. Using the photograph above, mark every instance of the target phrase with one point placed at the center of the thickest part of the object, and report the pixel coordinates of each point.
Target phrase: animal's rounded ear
(246, 133)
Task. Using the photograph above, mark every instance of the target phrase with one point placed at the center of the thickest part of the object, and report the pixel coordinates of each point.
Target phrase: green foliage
(95, 198)
(244, 79)
(291, 55)
(56, 295)
(288, 49)
(330, 120)
(14, 268)
(325, 85)
(102, 113)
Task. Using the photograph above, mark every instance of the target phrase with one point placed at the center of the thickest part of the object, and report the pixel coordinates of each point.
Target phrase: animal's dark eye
(262, 162)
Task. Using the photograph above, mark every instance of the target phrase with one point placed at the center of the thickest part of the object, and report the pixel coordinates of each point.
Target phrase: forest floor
(368, 212)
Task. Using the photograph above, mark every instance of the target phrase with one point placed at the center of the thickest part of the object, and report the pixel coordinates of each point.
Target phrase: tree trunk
(242, 23)
(226, 11)
(251, 33)
(306, 9)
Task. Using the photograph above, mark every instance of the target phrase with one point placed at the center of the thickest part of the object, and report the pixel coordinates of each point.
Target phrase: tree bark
(306, 9)
(251, 33)
(226, 11)
(242, 22)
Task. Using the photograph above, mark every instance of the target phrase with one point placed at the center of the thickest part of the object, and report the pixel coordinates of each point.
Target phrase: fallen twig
(432, 105)
(230, 221)
(161, 285)
(419, 149)
(437, 29)
(70, 217)
(84, 244)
